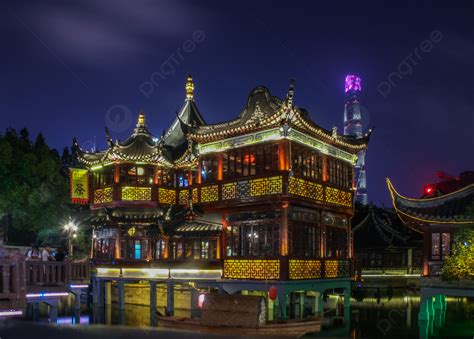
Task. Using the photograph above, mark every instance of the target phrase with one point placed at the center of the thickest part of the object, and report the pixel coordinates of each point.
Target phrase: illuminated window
(248, 161)
(138, 249)
(445, 244)
(435, 249)
(159, 251)
(258, 238)
(133, 175)
(305, 162)
(336, 242)
(440, 245)
(104, 177)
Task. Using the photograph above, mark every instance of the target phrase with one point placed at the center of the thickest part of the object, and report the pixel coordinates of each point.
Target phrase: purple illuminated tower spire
(353, 127)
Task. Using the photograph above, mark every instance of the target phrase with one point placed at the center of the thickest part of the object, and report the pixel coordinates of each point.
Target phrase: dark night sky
(70, 68)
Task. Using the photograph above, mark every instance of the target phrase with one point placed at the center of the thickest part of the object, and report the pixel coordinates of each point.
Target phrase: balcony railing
(287, 269)
(242, 189)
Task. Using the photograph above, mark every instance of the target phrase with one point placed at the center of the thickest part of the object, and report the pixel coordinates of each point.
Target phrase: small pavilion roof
(381, 228)
(452, 208)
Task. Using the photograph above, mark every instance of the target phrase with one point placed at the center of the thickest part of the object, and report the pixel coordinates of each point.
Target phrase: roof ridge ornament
(189, 88)
(141, 118)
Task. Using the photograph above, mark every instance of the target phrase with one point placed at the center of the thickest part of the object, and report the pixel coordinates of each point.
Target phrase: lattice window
(210, 193)
(243, 189)
(304, 188)
(103, 195)
(338, 197)
(228, 191)
(265, 186)
(136, 193)
(252, 269)
(183, 197)
(166, 196)
(305, 269)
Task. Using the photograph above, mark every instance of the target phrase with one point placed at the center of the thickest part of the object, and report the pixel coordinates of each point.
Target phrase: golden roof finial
(141, 118)
(189, 88)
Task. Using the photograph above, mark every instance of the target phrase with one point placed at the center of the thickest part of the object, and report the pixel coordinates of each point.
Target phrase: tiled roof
(452, 208)
(381, 228)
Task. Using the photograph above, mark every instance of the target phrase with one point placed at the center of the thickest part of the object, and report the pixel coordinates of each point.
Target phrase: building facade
(384, 245)
(266, 198)
(437, 218)
(353, 128)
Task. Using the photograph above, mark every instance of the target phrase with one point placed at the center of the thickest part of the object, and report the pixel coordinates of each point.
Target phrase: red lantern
(201, 299)
(272, 293)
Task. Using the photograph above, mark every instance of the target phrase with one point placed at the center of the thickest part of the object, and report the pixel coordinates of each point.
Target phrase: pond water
(395, 317)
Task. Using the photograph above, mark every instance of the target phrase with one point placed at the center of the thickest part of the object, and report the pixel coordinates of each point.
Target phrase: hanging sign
(79, 185)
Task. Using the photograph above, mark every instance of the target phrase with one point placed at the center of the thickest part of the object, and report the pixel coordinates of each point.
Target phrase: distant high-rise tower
(353, 127)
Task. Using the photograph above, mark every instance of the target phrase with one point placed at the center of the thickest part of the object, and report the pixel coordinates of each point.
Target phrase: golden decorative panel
(304, 269)
(331, 269)
(259, 269)
(338, 197)
(228, 191)
(266, 186)
(195, 196)
(103, 195)
(183, 197)
(136, 193)
(337, 268)
(210, 193)
(305, 188)
(166, 196)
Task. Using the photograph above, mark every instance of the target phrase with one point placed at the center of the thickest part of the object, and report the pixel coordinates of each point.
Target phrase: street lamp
(71, 229)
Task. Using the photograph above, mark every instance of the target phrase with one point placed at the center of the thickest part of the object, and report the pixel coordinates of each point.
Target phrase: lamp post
(71, 230)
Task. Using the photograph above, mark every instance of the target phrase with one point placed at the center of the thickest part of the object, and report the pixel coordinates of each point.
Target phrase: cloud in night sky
(111, 31)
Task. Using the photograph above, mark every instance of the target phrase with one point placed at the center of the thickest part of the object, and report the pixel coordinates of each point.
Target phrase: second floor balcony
(222, 192)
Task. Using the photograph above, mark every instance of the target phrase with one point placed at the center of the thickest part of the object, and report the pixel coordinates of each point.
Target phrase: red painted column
(426, 250)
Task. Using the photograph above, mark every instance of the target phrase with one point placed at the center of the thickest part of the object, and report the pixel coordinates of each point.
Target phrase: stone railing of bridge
(56, 273)
(13, 279)
(18, 276)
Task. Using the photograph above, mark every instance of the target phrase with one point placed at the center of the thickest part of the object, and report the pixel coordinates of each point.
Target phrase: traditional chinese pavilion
(437, 218)
(262, 200)
(383, 244)
(437, 215)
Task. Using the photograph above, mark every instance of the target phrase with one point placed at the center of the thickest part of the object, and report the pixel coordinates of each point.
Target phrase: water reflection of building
(383, 244)
(263, 199)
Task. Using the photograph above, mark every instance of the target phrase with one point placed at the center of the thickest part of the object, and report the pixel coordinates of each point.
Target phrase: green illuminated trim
(321, 146)
(243, 140)
(275, 134)
(95, 168)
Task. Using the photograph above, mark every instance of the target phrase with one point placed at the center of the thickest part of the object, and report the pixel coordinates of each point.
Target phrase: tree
(33, 187)
(460, 264)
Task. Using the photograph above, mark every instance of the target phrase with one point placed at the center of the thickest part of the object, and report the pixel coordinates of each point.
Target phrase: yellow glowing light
(157, 273)
(195, 274)
(108, 272)
(393, 192)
